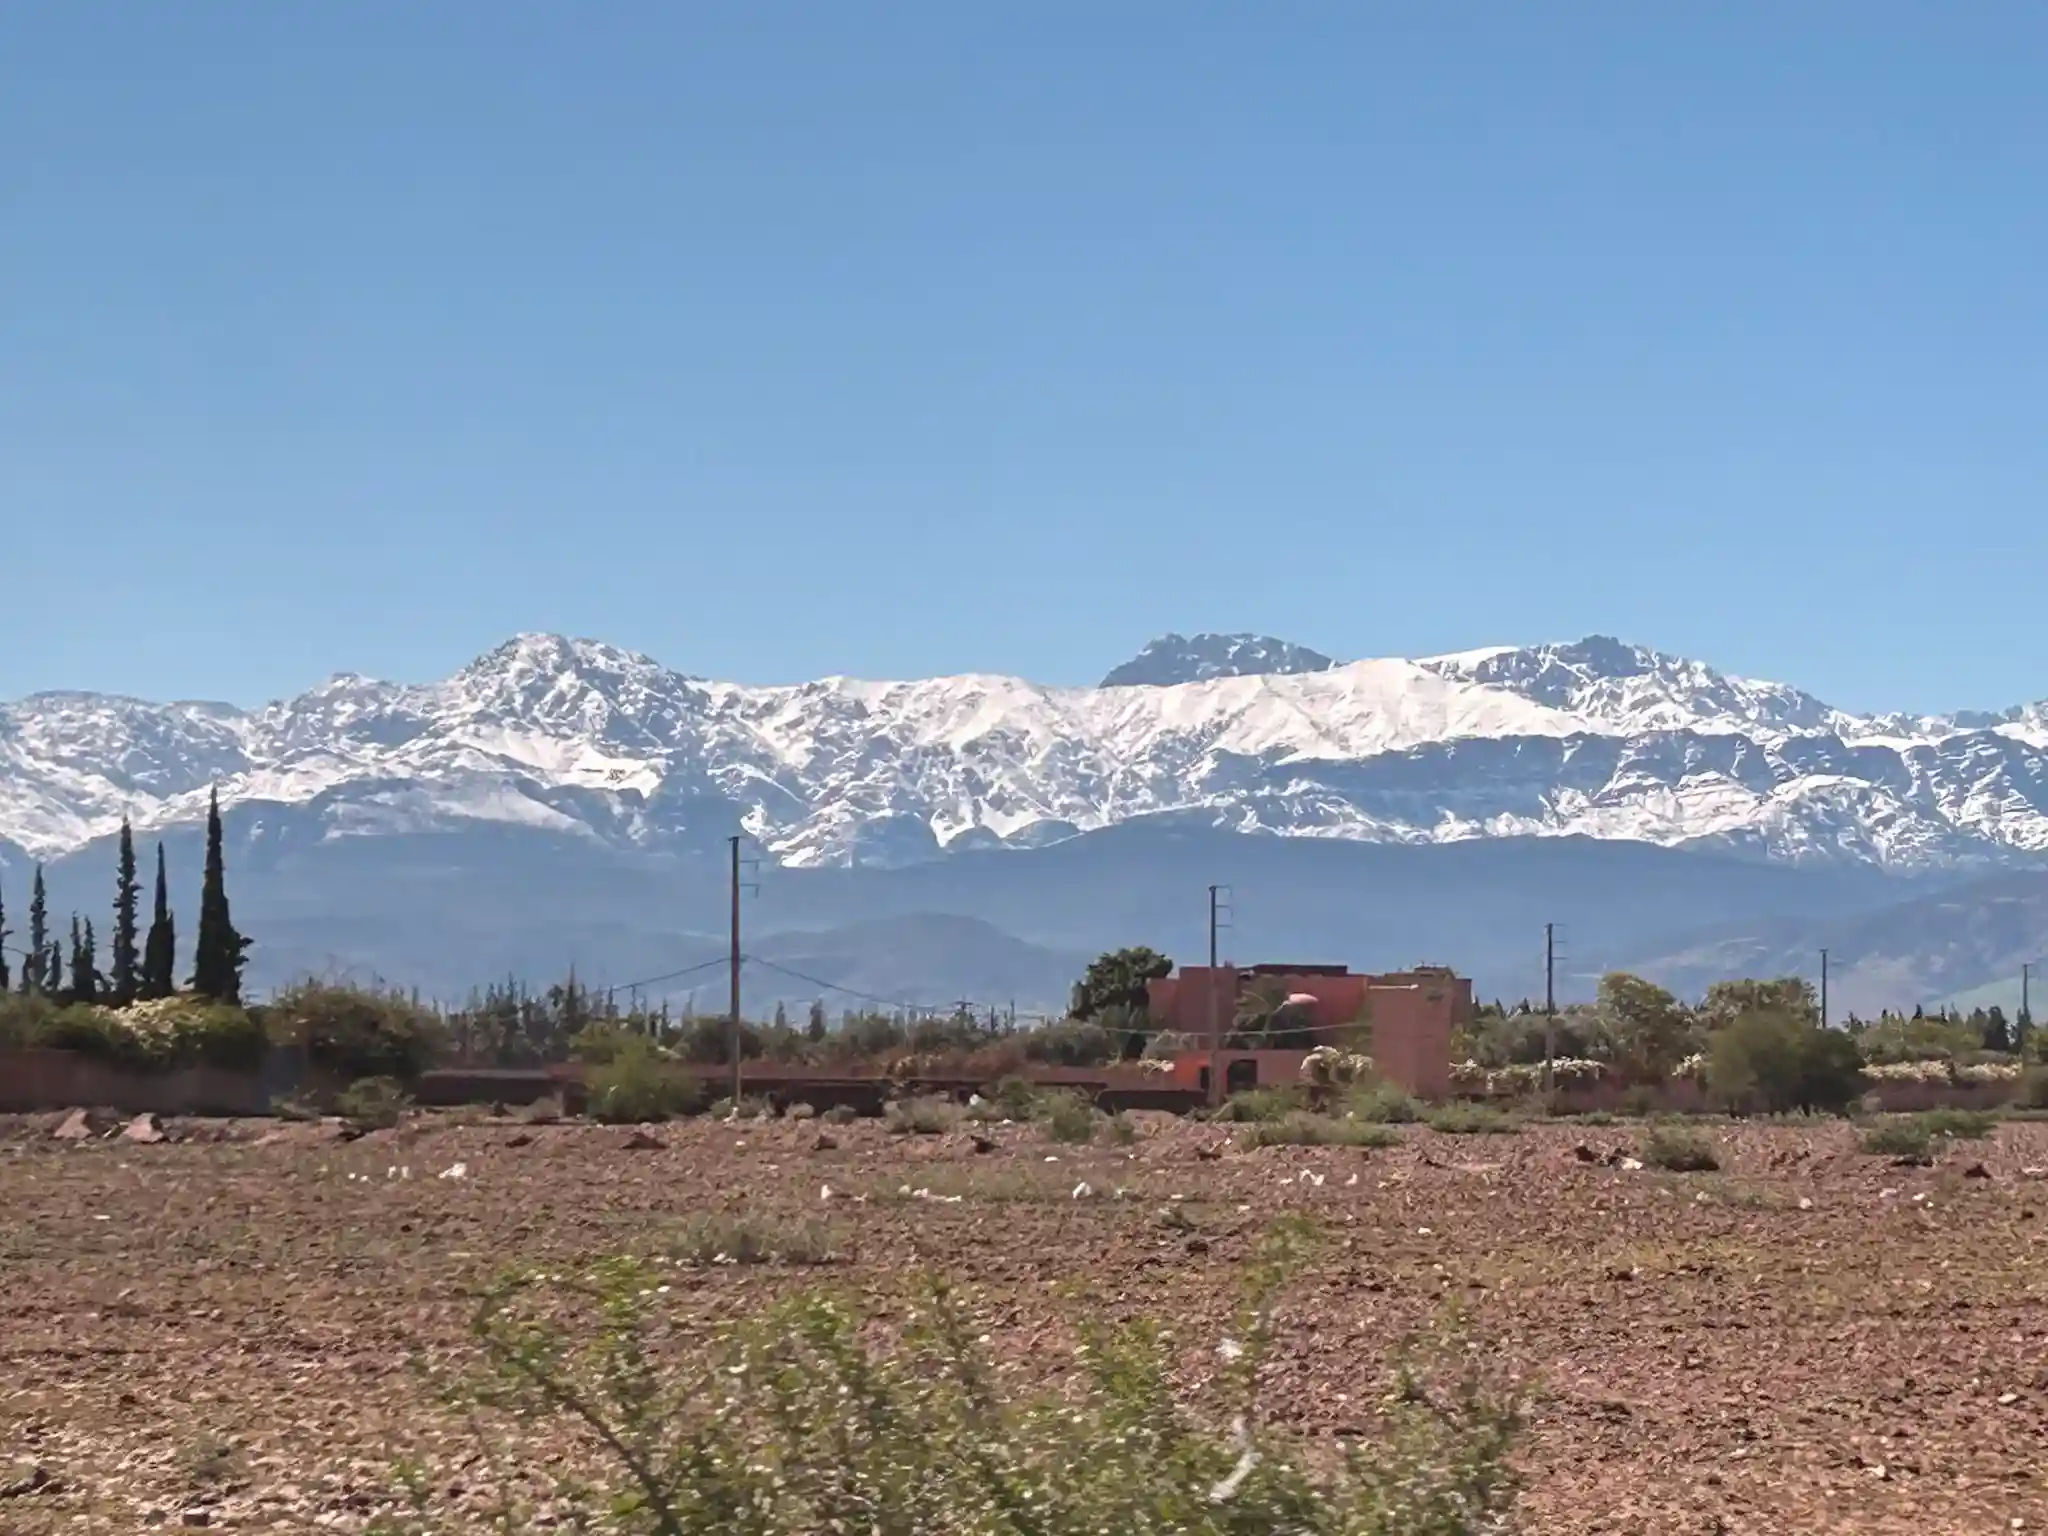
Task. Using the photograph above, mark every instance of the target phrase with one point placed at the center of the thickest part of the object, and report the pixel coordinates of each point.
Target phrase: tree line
(138, 967)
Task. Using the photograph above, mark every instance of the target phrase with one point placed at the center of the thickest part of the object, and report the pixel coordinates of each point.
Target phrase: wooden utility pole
(1549, 999)
(732, 1023)
(1215, 1013)
(2026, 1018)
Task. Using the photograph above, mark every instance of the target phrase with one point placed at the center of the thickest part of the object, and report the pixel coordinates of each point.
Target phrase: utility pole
(1549, 999)
(1215, 1014)
(732, 1024)
(2026, 1018)
(1823, 989)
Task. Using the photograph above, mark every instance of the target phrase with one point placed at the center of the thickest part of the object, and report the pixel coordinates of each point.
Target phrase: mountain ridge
(1590, 737)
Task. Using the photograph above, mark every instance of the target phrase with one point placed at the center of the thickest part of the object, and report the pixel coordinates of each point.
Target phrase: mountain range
(579, 796)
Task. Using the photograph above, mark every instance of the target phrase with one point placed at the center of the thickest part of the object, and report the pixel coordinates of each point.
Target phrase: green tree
(1996, 1032)
(1651, 1030)
(159, 953)
(35, 973)
(1726, 1001)
(123, 978)
(85, 972)
(6, 978)
(219, 953)
(1117, 980)
(1774, 1060)
(814, 1029)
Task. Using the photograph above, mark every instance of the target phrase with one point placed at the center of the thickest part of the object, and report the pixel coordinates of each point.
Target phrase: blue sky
(781, 340)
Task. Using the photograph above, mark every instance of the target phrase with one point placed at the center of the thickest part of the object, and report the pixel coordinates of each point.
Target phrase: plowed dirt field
(221, 1329)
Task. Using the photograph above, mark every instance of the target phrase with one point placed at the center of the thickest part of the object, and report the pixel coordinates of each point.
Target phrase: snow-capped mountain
(1197, 658)
(586, 740)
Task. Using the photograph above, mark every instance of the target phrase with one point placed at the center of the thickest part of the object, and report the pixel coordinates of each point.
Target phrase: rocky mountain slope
(1592, 738)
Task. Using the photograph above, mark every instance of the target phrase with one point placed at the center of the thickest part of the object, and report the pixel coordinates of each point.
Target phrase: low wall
(1686, 1097)
(32, 1082)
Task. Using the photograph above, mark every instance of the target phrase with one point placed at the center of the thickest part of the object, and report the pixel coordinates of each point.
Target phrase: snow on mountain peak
(1593, 736)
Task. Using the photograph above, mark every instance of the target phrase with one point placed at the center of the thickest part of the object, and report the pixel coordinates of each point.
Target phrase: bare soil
(224, 1328)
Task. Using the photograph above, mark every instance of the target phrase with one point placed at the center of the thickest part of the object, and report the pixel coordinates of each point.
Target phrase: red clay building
(1410, 1014)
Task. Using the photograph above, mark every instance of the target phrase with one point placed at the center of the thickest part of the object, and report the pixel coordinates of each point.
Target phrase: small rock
(195, 1517)
(77, 1126)
(642, 1141)
(1630, 1165)
(1208, 1154)
(1805, 1202)
(984, 1144)
(454, 1171)
(1198, 1245)
(519, 1139)
(1585, 1154)
(143, 1128)
(1976, 1171)
(825, 1143)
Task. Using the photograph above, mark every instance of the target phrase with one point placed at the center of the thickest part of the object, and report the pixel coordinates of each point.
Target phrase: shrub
(1067, 1117)
(921, 1117)
(1771, 1061)
(2033, 1090)
(217, 1035)
(1256, 1105)
(21, 1018)
(840, 1114)
(1899, 1138)
(1471, 1120)
(1678, 1151)
(1302, 1129)
(351, 1032)
(1384, 1104)
(1070, 1043)
(596, 1044)
(101, 1035)
(725, 1239)
(1123, 1130)
(637, 1086)
(373, 1103)
(1015, 1098)
(1958, 1124)
(804, 1419)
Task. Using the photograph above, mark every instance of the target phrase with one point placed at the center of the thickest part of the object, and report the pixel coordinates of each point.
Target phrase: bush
(1302, 1129)
(217, 1035)
(373, 1103)
(1257, 1105)
(921, 1117)
(103, 1036)
(1678, 1151)
(638, 1086)
(351, 1032)
(1771, 1061)
(1471, 1120)
(1070, 1043)
(1899, 1138)
(1384, 1104)
(2033, 1089)
(804, 1419)
(1123, 1130)
(596, 1044)
(1067, 1117)
(1958, 1124)
(734, 1240)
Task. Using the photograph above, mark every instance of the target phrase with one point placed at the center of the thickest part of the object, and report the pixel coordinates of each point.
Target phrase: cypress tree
(218, 953)
(159, 955)
(34, 975)
(85, 982)
(6, 979)
(123, 978)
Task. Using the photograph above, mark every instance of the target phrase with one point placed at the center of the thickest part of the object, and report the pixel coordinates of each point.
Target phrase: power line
(905, 1004)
